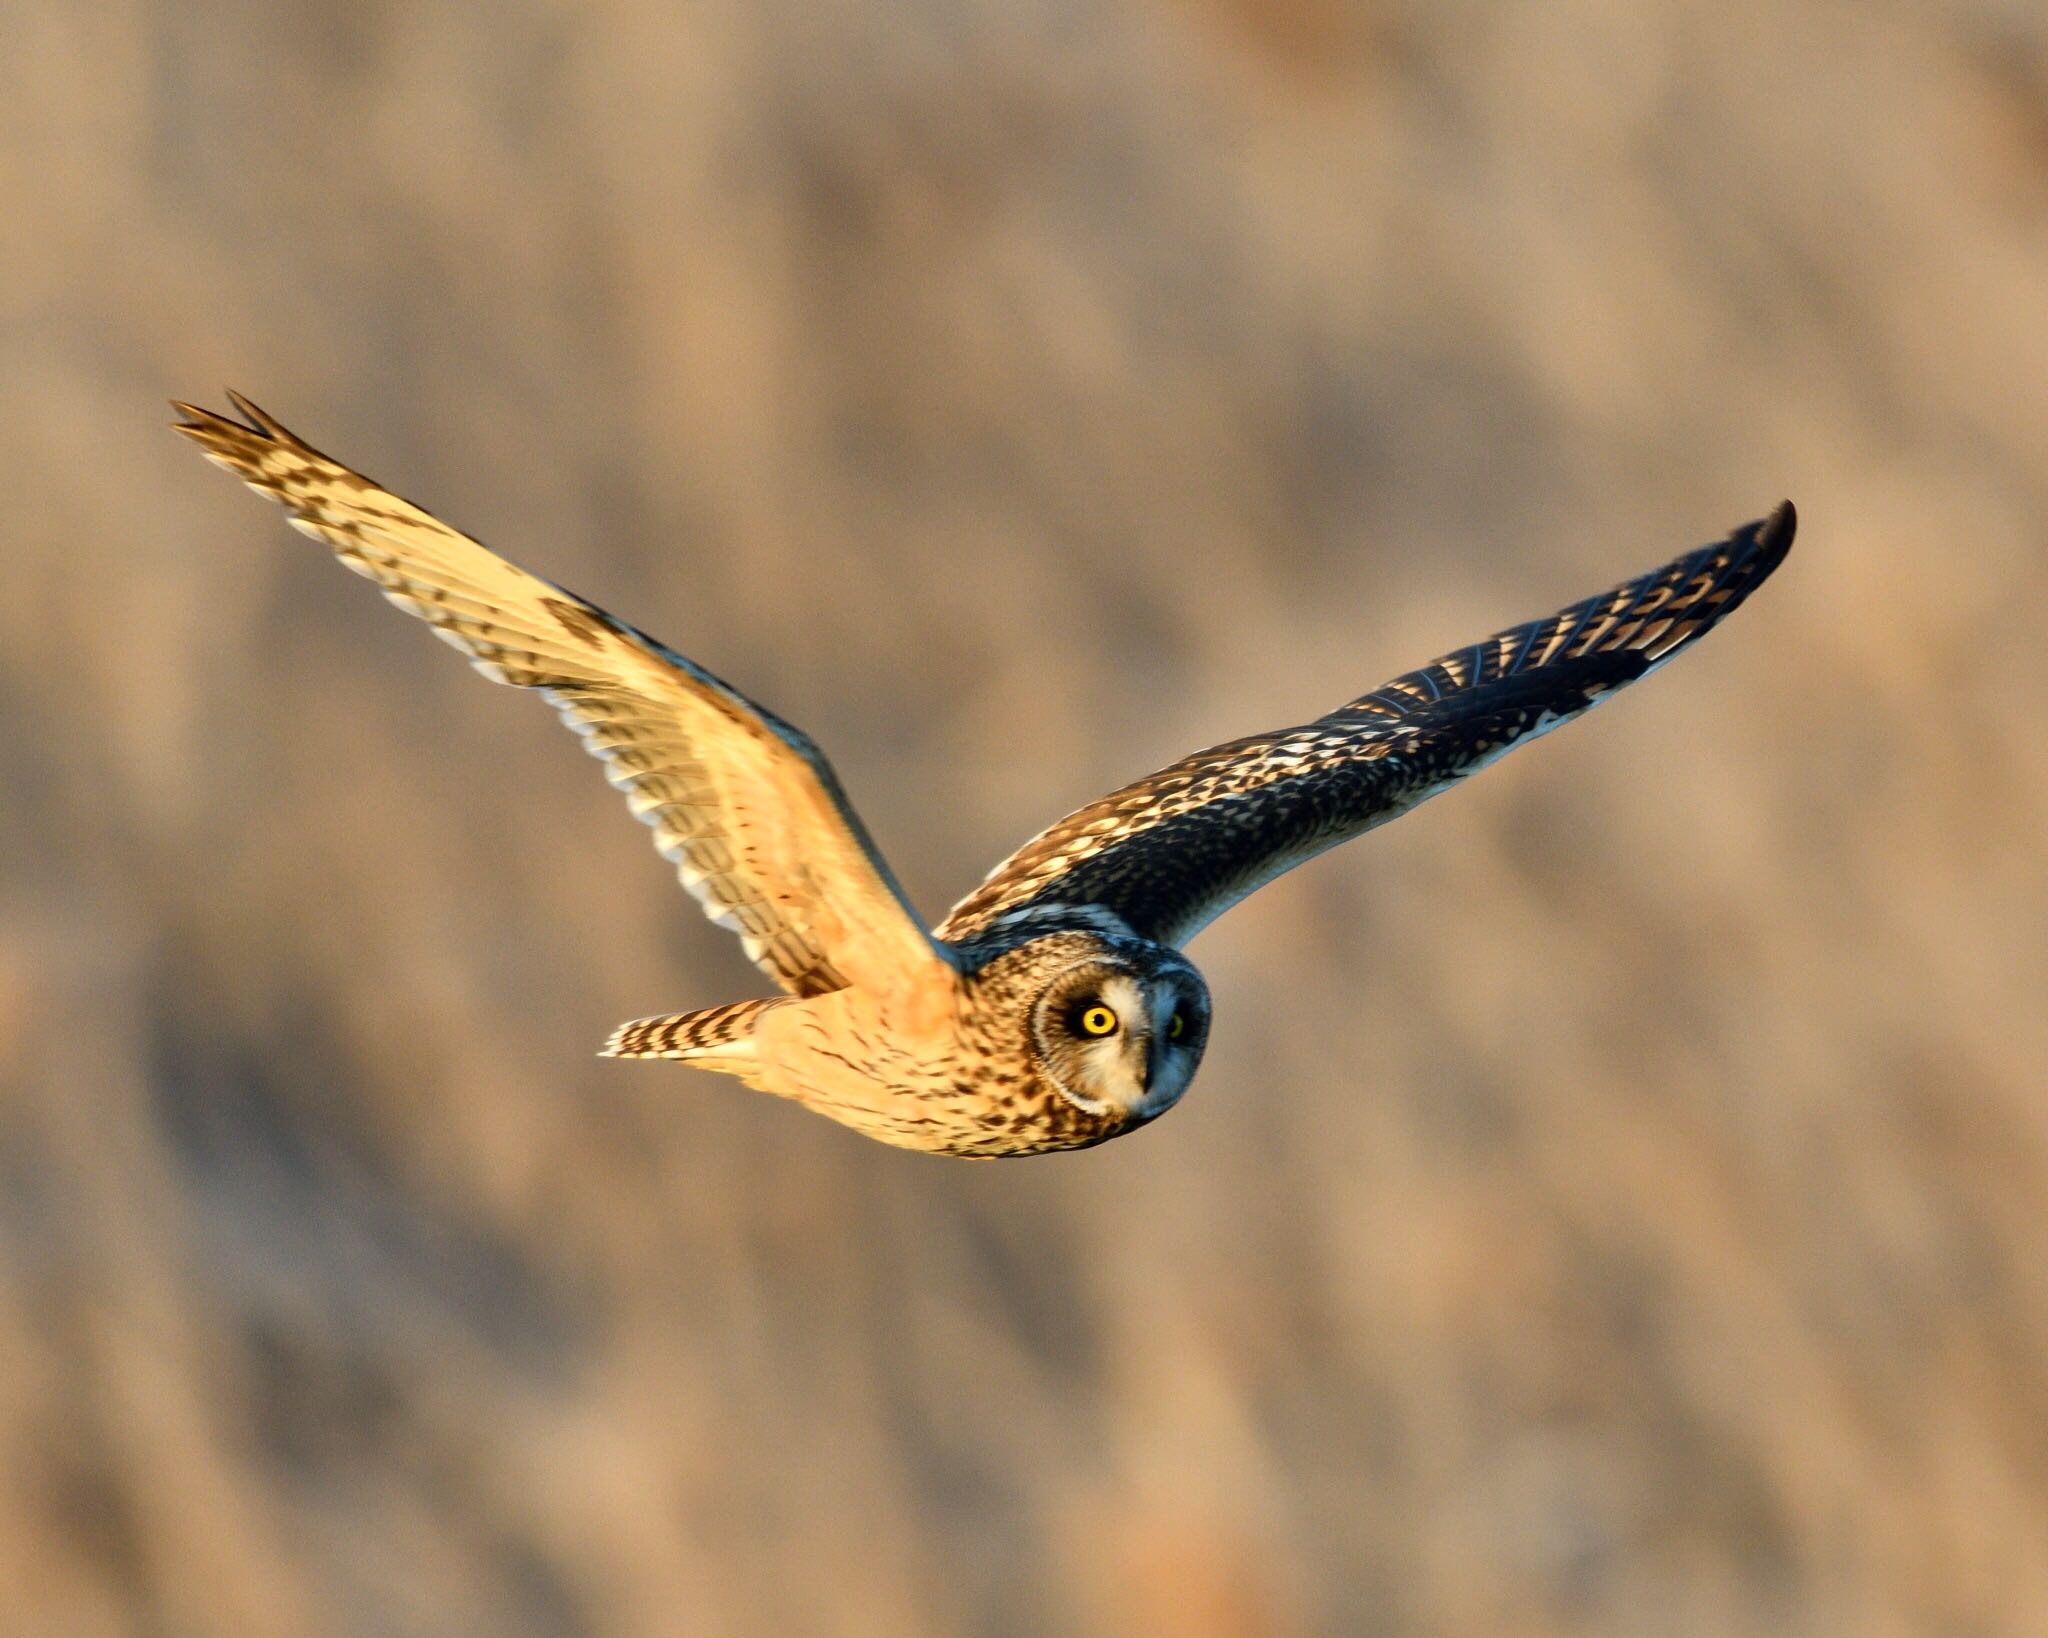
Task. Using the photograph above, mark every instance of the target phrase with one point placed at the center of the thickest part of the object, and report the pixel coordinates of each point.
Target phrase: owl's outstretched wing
(1172, 852)
(745, 805)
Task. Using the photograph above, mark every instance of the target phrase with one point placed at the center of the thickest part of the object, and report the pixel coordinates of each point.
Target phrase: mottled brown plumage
(1052, 1009)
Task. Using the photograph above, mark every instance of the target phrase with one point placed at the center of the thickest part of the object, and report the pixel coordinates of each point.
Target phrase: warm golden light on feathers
(1052, 1008)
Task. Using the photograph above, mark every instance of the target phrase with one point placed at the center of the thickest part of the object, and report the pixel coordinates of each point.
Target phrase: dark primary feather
(1173, 851)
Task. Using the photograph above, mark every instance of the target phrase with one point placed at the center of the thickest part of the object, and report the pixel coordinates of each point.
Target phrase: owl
(1052, 1008)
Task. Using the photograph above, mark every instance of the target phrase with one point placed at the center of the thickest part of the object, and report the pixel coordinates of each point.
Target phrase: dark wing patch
(578, 622)
(1171, 852)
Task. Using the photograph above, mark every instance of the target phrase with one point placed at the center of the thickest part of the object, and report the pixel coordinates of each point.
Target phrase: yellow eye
(1176, 1027)
(1098, 1020)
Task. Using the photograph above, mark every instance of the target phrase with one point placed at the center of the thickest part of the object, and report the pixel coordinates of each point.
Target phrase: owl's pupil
(1176, 1026)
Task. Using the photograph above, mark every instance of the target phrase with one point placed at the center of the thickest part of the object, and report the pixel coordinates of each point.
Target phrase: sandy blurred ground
(1614, 1201)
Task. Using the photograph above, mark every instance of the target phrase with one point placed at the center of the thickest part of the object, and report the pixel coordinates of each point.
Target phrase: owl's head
(1119, 1030)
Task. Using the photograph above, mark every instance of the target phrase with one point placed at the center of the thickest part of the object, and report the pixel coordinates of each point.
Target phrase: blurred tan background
(1615, 1200)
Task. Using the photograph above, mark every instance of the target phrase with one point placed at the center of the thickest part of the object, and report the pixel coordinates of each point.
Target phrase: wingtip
(200, 422)
(254, 419)
(195, 422)
(1775, 531)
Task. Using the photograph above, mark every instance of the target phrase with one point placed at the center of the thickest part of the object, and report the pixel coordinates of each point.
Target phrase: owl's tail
(718, 1038)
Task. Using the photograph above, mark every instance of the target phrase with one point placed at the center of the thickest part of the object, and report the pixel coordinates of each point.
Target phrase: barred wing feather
(745, 805)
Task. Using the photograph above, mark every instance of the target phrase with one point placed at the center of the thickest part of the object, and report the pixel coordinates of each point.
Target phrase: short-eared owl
(1052, 1008)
